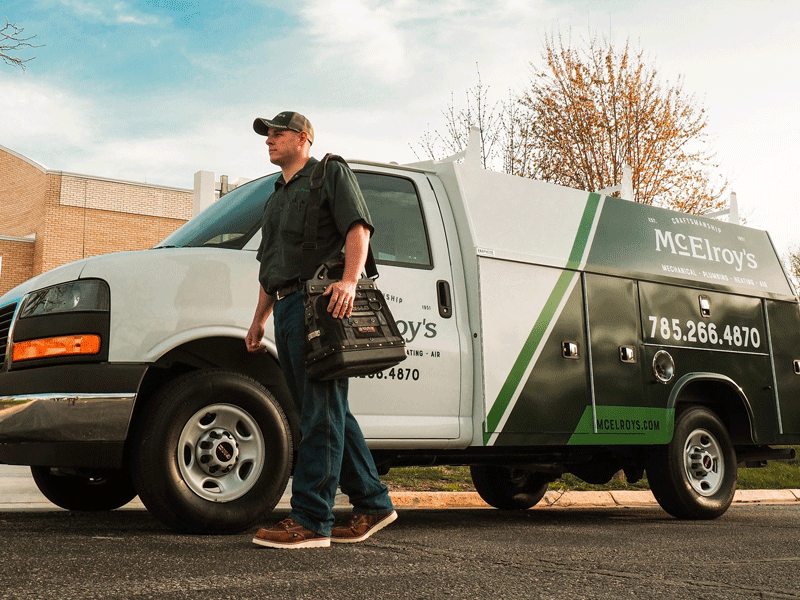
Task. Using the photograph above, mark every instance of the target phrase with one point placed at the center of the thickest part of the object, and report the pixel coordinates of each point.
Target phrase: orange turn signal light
(67, 345)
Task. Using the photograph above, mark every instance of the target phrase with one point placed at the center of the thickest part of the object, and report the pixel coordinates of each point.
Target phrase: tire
(509, 489)
(694, 476)
(92, 491)
(213, 453)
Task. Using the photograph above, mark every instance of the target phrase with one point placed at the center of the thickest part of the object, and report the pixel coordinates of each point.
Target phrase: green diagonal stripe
(585, 228)
(549, 310)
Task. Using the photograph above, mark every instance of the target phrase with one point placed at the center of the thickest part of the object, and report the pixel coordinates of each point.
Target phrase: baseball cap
(285, 120)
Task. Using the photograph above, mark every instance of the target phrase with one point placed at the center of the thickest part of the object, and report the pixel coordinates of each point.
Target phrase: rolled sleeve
(346, 200)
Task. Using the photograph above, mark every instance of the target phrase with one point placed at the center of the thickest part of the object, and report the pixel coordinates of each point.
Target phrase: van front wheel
(507, 488)
(213, 453)
(694, 476)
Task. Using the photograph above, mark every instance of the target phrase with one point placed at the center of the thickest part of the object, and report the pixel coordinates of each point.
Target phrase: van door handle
(444, 299)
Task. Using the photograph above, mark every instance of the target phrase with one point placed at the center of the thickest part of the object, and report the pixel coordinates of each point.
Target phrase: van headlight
(65, 322)
(85, 295)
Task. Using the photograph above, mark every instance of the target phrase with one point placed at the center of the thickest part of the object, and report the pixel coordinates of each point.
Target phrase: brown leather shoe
(360, 527)
(290, 534)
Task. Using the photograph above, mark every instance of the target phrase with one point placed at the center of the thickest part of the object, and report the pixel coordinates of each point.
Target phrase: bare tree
(792, 262)
(502, 137)
(477, 113)
(11, 41)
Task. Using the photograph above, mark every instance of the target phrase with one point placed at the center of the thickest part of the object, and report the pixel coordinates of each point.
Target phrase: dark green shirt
(283, 225)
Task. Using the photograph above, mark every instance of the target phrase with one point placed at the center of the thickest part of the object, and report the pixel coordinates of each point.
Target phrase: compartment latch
(569, 350)
(705, 306)
(627, 354)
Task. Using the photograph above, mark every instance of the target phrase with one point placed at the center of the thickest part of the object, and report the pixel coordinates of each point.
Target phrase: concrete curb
(557, 499)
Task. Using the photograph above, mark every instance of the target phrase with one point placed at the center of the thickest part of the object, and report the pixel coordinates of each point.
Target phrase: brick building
(49, 218)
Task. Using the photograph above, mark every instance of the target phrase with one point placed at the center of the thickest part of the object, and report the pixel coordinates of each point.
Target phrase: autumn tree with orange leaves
(587, 112)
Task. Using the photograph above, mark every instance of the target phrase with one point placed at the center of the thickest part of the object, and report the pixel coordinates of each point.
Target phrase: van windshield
(228, 223)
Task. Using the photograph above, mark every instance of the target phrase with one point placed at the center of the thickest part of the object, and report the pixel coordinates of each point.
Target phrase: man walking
(332, 450)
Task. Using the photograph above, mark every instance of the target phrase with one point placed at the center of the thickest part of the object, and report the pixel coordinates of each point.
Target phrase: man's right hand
(254, 337)
(256, 332)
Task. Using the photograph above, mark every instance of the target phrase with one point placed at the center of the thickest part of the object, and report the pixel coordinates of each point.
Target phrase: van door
(784, 328)
(622, 413)
(418, 399)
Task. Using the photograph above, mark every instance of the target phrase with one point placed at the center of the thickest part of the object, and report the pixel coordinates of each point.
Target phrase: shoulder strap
(316, 182)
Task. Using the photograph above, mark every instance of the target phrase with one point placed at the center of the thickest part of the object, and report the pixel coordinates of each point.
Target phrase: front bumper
(69, 415)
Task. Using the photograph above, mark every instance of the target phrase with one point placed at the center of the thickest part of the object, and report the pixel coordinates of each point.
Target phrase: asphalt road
(570, 553)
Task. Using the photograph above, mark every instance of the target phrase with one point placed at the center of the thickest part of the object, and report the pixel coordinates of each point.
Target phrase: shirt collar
(304, 172)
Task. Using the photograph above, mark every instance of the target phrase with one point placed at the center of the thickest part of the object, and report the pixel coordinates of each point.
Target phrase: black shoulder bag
(366, 342)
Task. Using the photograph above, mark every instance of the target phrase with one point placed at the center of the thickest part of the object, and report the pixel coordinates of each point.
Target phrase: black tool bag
(366, 342)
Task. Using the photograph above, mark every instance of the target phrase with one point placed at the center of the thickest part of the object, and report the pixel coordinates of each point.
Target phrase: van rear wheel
(213, 453)
(694, 476)
(88, 490)
(507, 488)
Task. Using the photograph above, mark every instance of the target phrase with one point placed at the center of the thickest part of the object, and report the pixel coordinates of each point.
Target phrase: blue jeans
(332, 449)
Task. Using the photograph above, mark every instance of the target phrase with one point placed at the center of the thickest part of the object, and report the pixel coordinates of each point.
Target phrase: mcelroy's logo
(702, 248)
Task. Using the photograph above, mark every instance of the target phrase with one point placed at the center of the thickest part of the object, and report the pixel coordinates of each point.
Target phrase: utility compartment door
(619, 411)
(784, 326)
(534, 393)
(419, 398)
(617, 351)
(711, 332)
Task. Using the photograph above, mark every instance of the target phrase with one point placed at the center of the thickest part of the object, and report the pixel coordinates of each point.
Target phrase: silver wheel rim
(703, 462)
(221, 452)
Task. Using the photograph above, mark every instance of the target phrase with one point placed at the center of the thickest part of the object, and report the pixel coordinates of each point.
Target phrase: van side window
(400, 237)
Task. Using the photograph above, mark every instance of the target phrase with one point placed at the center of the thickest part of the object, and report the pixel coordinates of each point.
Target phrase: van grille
(6, 315)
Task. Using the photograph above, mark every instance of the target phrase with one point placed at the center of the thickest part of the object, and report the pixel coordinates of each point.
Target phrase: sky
(156, 90)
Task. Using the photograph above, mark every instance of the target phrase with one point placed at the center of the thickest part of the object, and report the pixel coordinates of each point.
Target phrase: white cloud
(121, 12)
(83, 8)
(133, 20)
(416, 48)
(37, 114)
(66, 131)
(125, 15)
(363, 33)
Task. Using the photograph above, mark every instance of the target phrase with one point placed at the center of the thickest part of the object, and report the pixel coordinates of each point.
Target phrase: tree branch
(12, 40)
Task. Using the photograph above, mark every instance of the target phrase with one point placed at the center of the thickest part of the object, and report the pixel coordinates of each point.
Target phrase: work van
(548, 330)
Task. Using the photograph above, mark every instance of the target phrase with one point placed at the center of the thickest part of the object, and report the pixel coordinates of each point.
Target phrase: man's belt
(288, 290)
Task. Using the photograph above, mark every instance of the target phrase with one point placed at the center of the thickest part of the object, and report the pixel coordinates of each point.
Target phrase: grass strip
(777, 475)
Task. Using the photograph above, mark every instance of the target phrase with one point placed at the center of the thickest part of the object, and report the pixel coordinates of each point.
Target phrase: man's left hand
(342, 295)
